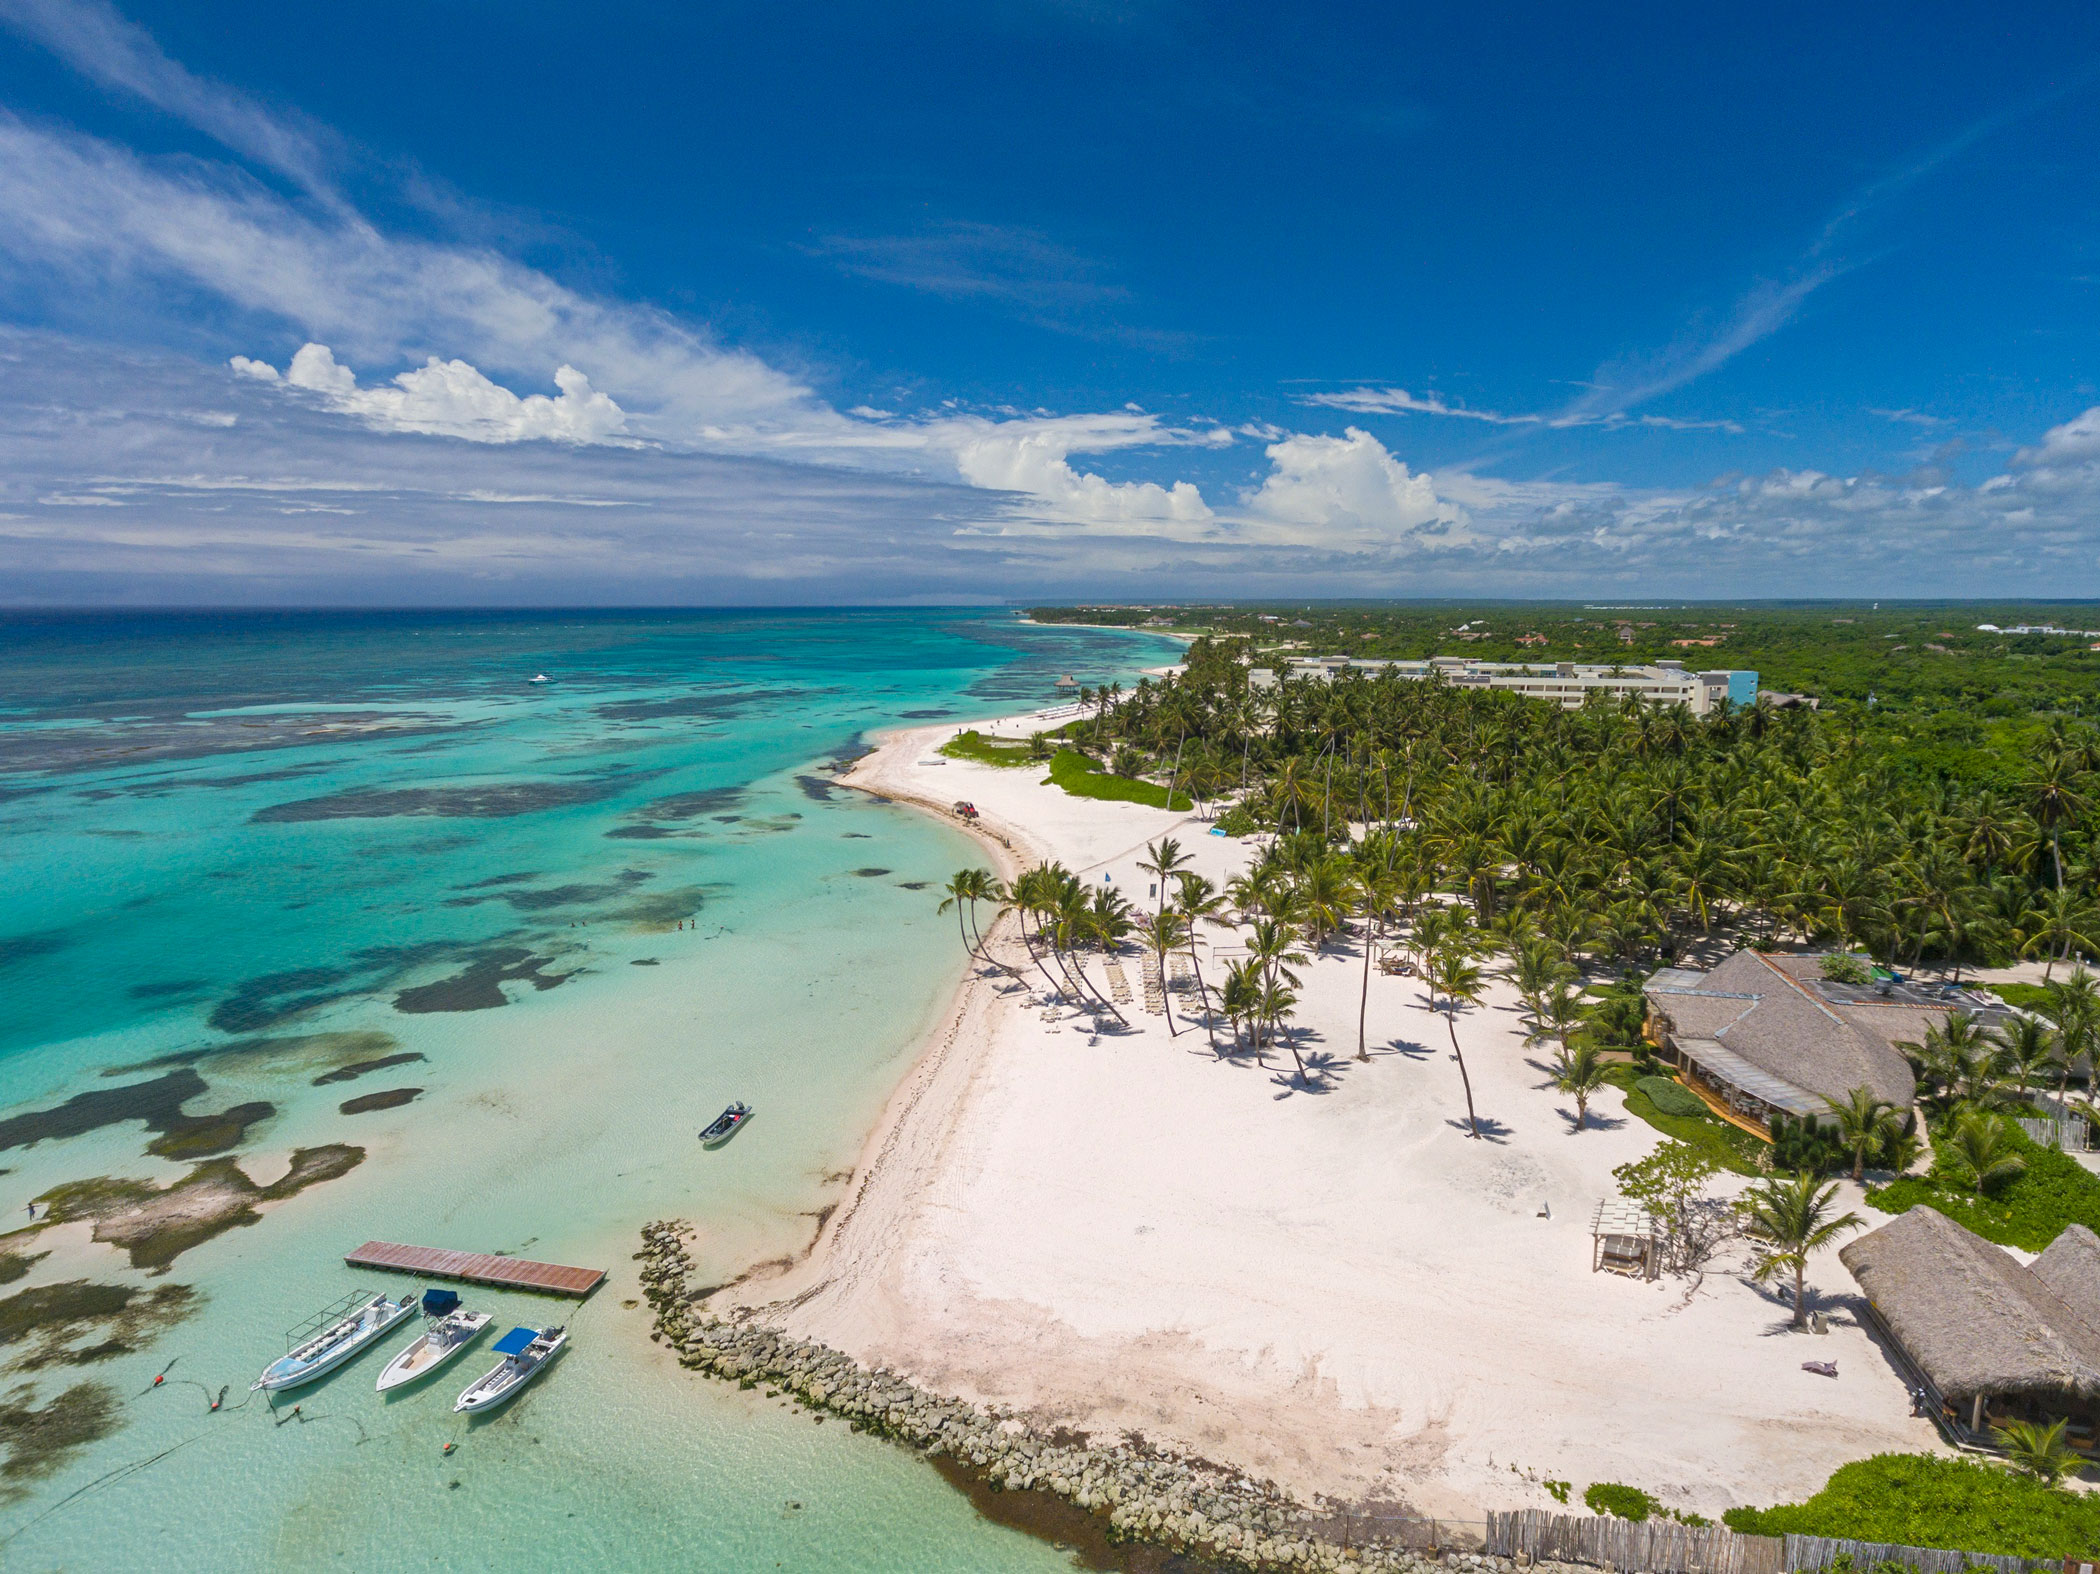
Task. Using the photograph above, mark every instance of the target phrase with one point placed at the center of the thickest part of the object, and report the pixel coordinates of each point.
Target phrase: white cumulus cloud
(453, 399)
(1350, 489)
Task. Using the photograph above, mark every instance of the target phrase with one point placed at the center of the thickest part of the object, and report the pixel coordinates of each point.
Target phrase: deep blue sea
(483, 953)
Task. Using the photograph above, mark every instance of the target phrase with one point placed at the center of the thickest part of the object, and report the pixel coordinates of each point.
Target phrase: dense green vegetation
(1920, 660)
(1728, 1147)
(974, 745)
(1628, 832)
(1082, 778)
(2029, 1210)
(1919, 1500)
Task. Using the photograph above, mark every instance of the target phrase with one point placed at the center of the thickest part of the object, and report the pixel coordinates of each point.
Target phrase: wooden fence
(1654, 1546)
(1819, 1552)
(1664, 1547)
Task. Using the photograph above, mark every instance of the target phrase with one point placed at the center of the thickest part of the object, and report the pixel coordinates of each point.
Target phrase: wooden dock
(508, 1273)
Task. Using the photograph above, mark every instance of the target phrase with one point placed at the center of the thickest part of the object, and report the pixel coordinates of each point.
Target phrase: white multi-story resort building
(1567, 682)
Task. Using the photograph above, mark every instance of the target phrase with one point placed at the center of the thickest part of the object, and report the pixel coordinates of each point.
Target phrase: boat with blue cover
(526, 1353)
(332, 1336)
(448, 1328)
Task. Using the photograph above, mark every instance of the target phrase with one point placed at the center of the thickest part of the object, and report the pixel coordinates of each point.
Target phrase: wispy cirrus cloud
(1398, 401)
(101, 44)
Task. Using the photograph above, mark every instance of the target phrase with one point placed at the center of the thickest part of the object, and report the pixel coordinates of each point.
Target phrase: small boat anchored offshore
(539, 677)
(332, 1336)
(726, 1124)
(448, 1329)
(526, 1353)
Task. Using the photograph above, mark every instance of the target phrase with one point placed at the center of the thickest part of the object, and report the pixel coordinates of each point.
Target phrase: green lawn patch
(2028, 1213)
(974, 745)
(1920, 1500)
(1728, 1146)
(2028, 997)
(1082, 778)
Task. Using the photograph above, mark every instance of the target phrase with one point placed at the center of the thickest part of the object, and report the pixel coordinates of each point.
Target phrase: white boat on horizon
(539, 677)
(350, 1325)
(448, 1329)
(526, 1353)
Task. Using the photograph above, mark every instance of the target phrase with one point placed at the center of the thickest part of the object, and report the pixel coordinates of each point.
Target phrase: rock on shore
(1188, 1505)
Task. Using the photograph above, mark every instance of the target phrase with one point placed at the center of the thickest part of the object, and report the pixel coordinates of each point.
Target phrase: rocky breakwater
(1143, 1494)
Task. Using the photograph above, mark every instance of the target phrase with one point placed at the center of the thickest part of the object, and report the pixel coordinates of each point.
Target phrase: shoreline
(1116, 1230)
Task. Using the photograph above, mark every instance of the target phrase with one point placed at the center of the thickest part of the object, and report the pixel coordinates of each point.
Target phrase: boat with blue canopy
(526, 1353)
(448, 1328)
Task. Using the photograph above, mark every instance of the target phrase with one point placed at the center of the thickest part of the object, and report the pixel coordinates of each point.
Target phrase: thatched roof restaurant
(1767, 1034)
(1994, 1339)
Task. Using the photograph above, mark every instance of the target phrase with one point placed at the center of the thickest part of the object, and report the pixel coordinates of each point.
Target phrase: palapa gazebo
(1624, 1238)
(1992, 1339)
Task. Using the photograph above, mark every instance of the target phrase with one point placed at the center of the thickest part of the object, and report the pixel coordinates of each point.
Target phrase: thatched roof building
(1769, 1034)
(2071, 1267)
(1980, 1325)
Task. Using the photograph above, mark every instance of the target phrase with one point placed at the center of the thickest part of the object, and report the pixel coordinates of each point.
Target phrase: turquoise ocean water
(247, 856)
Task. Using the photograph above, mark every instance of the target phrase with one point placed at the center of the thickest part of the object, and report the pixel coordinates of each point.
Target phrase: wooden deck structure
(508, 1273)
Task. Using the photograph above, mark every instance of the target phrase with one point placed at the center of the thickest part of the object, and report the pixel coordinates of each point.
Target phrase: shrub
(974, 745)
(1806, 1145)
(1620, 1502)
(2028, 1212)
(1082, 778)
(1920, 1500)
(1559, 1490)
(1671, 1097)
(1238, 821)
(1847, 970)
(1730, 1147)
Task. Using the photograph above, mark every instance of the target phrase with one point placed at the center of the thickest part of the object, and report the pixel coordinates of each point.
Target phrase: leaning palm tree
(1560, 1013)
(1791, 1220)
(1579, 1073)
(1864, 1124)
(1453, 973)
(960, 890)
(2040, 1451)
(1163, 932)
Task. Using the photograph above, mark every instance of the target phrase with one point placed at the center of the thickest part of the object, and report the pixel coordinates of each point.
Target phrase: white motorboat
(448, 1328)
(526, 1353)
(539, 678)
(343, 1329)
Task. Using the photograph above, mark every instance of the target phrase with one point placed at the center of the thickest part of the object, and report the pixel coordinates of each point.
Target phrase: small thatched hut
(1993, 1339)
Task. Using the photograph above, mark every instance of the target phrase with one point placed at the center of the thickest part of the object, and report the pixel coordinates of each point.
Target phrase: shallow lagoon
(273, 851)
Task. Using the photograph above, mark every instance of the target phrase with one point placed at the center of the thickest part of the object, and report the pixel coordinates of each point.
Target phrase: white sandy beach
(1332, 1287)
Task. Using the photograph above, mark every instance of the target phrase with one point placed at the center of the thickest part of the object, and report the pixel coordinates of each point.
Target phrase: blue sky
(459, 302)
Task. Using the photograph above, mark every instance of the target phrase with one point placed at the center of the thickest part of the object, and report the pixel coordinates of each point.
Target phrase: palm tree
(1579, 1074)
(1980, 1152)
(1240, 998)
(1377, 889)
(1162, 860)
(2027, 1048)
(1197, 901)
(1163, 932)
(963, 888)
(1452, 972)
(1791, 1220)
(2040, 1451)
(1560, 1013)
(1864, 1123)
(2062, 919)
(2055, 801)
